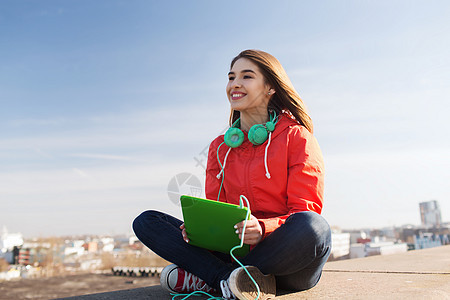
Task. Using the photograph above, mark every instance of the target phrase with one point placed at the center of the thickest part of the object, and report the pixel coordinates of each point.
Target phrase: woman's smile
(237, 95)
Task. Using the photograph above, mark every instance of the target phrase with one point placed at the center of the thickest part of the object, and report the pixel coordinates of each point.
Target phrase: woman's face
(246, 88)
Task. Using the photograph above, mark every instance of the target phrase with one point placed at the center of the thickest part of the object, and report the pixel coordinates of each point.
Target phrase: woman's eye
(230, 78)
(247, 77)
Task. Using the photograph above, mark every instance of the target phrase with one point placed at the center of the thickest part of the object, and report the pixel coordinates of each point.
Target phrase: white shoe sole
(164, 277)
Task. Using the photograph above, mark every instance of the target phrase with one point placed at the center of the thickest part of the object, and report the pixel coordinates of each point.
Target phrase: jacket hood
(284, 121)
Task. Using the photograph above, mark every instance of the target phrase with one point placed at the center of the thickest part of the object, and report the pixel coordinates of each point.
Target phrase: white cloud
(81, 173)
(187, 124)
(102, 156)
(77, 179)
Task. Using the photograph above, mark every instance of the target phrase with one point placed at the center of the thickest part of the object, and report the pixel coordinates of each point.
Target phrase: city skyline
(128, 233)
(104, 103)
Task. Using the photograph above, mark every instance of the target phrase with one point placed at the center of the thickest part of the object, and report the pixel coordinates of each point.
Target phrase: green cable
(186, 296)
(196, 293)
(242, 244)
(241, 204)
(243, 229)
(221, 167)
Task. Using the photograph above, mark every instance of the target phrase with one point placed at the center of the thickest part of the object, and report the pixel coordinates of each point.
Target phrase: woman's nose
(236, 83)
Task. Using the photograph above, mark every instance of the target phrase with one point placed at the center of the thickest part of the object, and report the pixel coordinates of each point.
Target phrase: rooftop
(416, 274)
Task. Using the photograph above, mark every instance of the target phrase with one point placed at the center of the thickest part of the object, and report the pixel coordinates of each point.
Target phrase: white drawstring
(265, 155)
(224, 163)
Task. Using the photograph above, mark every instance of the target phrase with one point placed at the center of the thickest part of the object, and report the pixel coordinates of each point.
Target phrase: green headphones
(257, 135)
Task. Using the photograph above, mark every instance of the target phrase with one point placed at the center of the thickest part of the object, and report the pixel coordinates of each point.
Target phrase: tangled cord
(198, 293)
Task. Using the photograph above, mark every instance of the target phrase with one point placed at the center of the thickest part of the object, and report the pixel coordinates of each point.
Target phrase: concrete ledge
(416, 274)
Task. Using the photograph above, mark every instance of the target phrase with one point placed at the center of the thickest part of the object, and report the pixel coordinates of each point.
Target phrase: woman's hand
(253, 231)
(183, 233)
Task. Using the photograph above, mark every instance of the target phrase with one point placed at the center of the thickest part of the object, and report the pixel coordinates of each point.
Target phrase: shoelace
(193, 283)
(226, 291)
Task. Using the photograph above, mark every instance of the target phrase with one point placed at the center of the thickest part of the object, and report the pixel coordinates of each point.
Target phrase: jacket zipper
(247, 174)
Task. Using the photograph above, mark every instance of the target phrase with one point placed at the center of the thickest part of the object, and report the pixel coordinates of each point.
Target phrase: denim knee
(141, 222)
(315, 225)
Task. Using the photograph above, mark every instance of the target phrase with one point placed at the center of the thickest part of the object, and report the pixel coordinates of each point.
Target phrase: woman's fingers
(183, 233)
(253, 231)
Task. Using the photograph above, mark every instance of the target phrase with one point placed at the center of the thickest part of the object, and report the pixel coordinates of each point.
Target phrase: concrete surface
(420, 274)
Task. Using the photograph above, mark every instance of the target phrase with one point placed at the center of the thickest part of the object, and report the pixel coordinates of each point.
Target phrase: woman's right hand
(183, 233)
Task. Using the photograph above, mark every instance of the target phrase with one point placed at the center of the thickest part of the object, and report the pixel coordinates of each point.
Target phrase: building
(10, 240)
(24, 256)
(385, 248)
(376, 248)
(357, 250)
(340, 248)
(425, 237)
(430, 213)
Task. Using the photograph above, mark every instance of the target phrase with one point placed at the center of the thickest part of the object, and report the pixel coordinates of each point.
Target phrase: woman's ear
(271, 92)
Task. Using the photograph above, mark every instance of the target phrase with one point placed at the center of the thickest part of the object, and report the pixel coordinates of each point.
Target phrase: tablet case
(210, 224)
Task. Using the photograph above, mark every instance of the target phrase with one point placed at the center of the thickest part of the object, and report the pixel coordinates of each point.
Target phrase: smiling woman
(270, 156)
(262, 70)
(248, 93)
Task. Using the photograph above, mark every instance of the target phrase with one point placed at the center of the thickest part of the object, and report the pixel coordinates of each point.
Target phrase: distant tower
(430, 213)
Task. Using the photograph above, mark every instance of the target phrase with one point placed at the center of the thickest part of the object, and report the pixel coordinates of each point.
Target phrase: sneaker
(243, 288)
(176, 280)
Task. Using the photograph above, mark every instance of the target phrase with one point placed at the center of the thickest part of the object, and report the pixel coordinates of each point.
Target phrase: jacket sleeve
(212, 184)
(305, 177)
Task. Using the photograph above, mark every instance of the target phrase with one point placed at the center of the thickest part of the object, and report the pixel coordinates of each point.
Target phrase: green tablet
(210, 224)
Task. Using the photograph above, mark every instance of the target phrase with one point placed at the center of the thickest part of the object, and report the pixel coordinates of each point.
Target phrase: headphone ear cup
(257, 134)
(234, 137)
(270, 126)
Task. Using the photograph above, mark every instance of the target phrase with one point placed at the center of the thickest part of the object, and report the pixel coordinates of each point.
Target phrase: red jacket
(295, 163)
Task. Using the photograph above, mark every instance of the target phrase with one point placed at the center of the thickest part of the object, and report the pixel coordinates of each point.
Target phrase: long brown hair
(286, 97)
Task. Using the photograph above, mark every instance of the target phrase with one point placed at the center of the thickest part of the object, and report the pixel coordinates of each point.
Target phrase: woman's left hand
(253, 231)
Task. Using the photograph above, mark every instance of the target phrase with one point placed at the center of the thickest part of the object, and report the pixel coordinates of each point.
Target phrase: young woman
(270, 156)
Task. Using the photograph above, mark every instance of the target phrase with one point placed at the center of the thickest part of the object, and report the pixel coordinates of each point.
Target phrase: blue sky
(104, 102)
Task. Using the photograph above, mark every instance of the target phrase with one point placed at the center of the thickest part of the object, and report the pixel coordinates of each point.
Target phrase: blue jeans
(295, 253)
